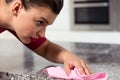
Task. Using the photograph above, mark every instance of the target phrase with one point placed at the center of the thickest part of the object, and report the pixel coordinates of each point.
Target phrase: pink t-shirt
(34, 44)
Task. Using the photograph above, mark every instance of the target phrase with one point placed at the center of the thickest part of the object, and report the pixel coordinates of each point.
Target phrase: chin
(26, 41)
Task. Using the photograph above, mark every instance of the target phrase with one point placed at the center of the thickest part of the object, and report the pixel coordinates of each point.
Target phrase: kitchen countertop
(17, 59)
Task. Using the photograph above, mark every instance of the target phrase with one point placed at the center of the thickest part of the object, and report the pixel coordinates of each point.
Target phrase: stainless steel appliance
(94, 15)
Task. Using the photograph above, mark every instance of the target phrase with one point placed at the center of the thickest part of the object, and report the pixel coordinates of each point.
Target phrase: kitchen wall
(61, 31)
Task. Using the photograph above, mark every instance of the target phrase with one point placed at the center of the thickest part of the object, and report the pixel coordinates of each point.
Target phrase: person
(28, 20)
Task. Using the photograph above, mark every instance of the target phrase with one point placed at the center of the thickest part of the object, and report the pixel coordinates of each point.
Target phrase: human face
(31, 24)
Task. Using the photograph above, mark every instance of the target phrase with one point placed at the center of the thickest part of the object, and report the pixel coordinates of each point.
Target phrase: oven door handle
(80, 5)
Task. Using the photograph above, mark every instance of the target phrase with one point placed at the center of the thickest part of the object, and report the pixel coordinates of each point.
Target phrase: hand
(72, 61)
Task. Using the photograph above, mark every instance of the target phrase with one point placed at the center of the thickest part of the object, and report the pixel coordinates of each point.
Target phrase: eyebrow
(45, 20)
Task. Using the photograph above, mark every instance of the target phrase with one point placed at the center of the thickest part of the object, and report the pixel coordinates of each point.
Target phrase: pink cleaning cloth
(58, 72)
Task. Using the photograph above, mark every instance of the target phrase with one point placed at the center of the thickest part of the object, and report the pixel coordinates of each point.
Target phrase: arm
(56, 53)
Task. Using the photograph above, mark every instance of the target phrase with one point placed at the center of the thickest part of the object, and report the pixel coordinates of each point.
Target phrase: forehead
(43, 12)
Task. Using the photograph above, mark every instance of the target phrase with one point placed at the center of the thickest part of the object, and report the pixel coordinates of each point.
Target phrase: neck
(1, 1)
(1, 13)
(4, 18)
(1, 5)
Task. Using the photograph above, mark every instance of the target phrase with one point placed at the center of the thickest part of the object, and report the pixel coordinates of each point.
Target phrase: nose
(41, 33)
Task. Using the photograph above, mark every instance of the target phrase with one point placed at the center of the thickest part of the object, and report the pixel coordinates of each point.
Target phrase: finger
(67, 69)
(90, 70)
(72, 67)
(86, 69)
(80, 69)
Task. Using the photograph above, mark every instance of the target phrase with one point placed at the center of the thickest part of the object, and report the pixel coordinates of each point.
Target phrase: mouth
(33, 39)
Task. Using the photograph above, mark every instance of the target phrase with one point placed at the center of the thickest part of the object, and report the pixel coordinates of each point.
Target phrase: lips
(33, 39)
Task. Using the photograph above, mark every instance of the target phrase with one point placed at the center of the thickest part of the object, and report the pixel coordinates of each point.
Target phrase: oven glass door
(91, 15)
(91, 11)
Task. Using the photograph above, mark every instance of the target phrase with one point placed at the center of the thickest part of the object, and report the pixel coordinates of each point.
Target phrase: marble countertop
(17, 59)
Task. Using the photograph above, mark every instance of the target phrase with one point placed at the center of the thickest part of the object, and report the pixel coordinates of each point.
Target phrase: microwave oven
(93, 15)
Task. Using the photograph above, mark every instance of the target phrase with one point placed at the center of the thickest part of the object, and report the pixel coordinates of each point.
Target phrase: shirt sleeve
(2, 29)
(34, 44)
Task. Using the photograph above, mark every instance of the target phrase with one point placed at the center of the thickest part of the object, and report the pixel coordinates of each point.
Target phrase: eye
(40, 23)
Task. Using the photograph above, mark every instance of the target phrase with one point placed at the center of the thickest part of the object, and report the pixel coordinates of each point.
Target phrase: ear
(16, 7)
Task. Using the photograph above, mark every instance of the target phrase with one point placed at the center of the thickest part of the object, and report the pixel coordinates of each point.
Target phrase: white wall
(60, 31)
(63, 19)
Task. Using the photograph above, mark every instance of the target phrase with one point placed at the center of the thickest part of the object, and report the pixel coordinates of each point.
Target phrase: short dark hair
(55, 5)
